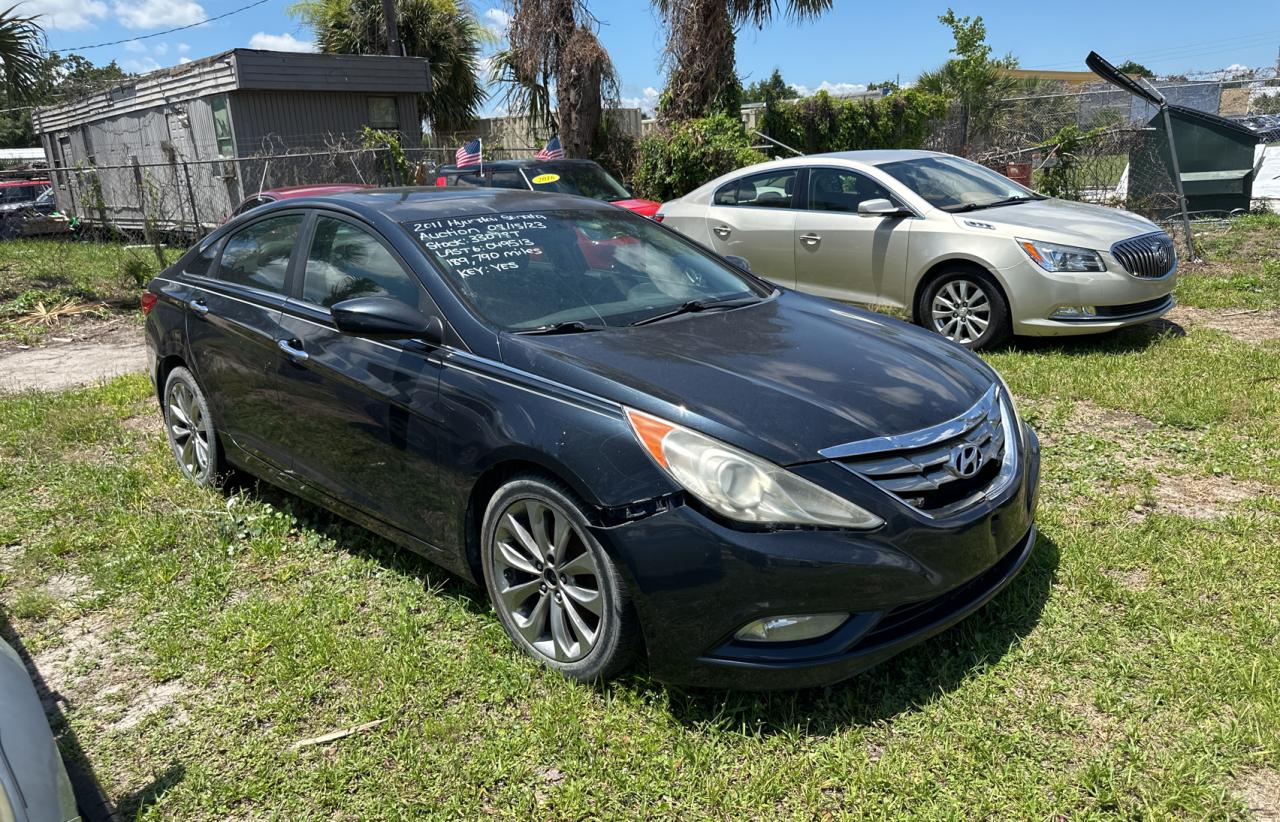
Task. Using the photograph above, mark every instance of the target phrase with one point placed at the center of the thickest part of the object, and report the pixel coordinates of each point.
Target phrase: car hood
(783, 378)
(645, 208)
(1060, 221)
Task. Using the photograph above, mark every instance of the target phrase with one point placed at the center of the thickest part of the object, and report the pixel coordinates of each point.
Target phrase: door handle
(293, 350)
(199, 306)
(722, 231)
(811, 238)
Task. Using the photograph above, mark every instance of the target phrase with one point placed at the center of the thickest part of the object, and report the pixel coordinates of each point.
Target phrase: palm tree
(700, 49)
(20, 55)
(445, 32)
(552, 44)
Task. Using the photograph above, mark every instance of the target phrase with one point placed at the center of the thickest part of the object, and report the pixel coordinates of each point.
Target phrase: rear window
(522, 271)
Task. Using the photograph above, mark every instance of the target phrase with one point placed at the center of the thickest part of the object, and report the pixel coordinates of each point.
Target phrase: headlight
(1013, 407)
(738, 485)
(1054, 257)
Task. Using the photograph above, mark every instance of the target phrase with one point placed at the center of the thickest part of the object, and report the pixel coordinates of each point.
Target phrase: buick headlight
(1054, 257)
(738, 485)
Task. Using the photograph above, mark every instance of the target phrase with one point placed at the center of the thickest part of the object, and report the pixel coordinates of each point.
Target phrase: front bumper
(1035, 295)
(695, 582)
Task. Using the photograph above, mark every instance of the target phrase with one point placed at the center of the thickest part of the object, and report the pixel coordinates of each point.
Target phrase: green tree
(702, 77)
(21, 55)
(445, 32)
(551, 44)
(769, 89)
(1135, 69)
(61, 78)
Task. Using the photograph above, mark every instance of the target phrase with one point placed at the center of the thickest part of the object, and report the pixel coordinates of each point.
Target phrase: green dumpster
(1216, 157)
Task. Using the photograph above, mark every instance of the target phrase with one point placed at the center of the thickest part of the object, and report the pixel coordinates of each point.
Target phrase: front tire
(557, 593)
(189, 426)
(966, 307)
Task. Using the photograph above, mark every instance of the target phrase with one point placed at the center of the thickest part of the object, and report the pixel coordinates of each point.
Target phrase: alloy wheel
(961, 311)
(190, 430)
(546, 580)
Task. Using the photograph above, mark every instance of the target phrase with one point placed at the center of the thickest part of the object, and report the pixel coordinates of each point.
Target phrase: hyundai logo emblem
(965, 460)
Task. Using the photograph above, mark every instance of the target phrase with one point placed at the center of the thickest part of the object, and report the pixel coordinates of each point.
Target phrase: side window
(202, 260)
(251, 203)
(469, 178)
(346, 262)
(506, 179)
(834, 189)
(258, 256)
(769, 189)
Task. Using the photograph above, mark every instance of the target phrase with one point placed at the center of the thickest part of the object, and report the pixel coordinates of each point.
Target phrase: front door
(845, 256)
(232, 327)
(752, 217)
(362, 429)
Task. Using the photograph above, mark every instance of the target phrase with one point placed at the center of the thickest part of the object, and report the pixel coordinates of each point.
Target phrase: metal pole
(191, 195)
(393, 33)
(1177, 179)
(779, 143)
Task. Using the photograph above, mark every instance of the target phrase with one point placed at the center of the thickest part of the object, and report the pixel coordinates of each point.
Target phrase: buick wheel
(189, 425)
(966, 307)
(556, 591)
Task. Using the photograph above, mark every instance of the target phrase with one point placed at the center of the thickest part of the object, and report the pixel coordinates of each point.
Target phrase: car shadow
(1132, 340)
(901, 684)
(90, 797)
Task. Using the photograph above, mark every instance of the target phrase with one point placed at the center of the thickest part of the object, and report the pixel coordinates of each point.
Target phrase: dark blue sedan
(635, 446)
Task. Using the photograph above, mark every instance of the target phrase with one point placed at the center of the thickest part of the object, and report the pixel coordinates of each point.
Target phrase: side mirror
(880, 207)
(381, 318)
(740, 262)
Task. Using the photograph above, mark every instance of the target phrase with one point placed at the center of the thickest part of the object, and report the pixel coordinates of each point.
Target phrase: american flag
(468, 155)
(553, 151)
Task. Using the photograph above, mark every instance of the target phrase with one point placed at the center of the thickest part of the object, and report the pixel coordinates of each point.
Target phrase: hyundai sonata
(634, 446)
(968, 252)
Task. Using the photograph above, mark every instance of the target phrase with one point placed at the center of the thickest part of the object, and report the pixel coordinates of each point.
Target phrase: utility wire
(162, 33)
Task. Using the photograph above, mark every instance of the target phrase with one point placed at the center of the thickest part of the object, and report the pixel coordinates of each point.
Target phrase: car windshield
(583, 179)
(953, 184)
(546, 270)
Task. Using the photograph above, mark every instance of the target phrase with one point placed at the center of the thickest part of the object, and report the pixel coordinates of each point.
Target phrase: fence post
(147, 232)
(1177, 179)
(395, 167)
(191, 197)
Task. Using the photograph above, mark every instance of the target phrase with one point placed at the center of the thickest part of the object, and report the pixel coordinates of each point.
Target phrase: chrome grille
(1150, 256)
(920, 468)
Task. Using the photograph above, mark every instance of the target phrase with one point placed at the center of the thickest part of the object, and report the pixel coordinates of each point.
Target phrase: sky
(854, 44)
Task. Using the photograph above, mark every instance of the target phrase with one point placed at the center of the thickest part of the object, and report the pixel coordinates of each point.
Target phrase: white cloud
(183, 48)
(140, 65)
(161, 48)
(149, 14)
(280, 42)
(135, 46)
(834, 89)
(65, 14)
(182, 60)
(499, 17)
(647, 102)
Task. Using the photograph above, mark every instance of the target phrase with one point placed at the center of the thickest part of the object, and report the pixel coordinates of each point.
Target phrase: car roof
(521, 163)
(428, 203)
(286, 192)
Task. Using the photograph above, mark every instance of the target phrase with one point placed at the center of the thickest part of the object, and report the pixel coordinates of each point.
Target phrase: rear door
(845, 256)
(232, 328)
(362, 428)
(753, 217)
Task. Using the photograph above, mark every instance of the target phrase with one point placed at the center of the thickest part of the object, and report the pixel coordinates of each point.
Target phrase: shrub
(823, 123)
(684, 155)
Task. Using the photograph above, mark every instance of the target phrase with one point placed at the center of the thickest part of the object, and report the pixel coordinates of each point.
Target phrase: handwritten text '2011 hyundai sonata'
(633, 445)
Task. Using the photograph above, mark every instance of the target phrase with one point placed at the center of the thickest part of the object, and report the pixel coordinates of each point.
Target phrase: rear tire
(557, 593)
(189, 426)
(967, 307)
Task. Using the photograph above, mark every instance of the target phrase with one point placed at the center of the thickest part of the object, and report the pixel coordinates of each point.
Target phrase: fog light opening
(791, 627)
(1075, 312)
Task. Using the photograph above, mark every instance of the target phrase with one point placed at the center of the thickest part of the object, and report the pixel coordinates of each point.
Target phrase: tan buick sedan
(973, 255)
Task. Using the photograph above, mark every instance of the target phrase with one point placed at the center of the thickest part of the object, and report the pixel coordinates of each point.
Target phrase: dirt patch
(87, 354)
(1135, 579)
(1253, 326)
(1260, 791)
(1204, 497)
(1087, 418)
(86, 647)
(152, 700)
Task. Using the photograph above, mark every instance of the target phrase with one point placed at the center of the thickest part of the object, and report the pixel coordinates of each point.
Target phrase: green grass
(1240, 267)
(106, 277)
(1130, 671)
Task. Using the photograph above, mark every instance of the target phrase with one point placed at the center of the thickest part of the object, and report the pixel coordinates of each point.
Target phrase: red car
(289, 192)
(582, 177)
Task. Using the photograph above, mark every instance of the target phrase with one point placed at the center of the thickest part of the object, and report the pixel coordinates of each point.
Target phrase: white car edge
(972, 271)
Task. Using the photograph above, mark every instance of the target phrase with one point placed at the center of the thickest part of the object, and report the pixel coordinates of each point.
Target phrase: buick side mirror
(880, 207)
(381, 318)
(740, 262)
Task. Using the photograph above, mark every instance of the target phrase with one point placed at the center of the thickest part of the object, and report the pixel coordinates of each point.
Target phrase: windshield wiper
(993, 204)
(572, 327)
(695, 306)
